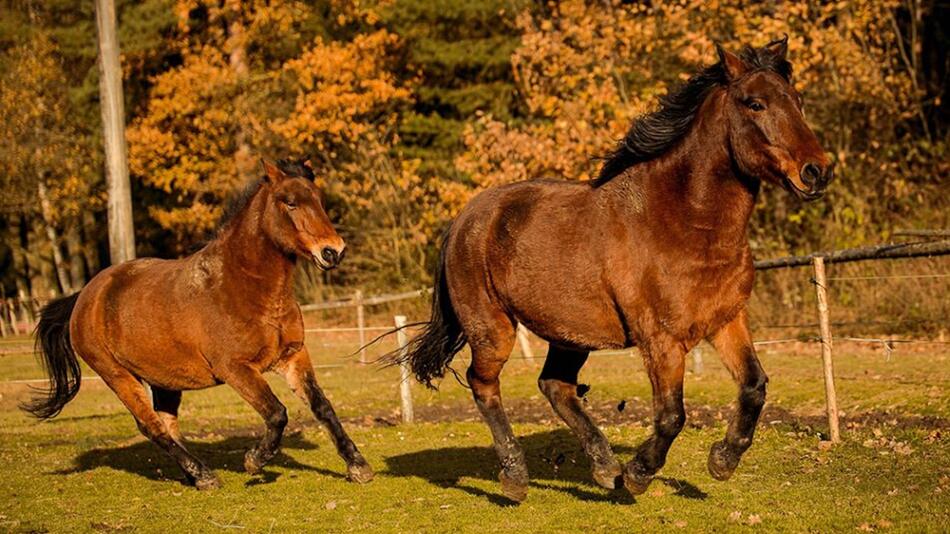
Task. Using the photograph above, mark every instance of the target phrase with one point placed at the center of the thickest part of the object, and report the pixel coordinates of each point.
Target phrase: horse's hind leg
(665, 364)
(558, 382)
(166, 403)
(734, 345)
(491, 345)
(253, 388)
(132, 393)
(298, 371)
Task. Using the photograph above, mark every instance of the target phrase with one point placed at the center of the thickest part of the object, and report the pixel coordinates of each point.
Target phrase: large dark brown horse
(653, 253)
(225, 314)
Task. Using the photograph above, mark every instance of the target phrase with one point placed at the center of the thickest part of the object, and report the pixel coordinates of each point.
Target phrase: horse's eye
(289, 202)
(754, 105)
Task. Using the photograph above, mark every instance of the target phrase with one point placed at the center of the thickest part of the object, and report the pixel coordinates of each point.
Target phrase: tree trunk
(90, 249)
(237, 57)
(77, 271)
(121, 233)
(46, 209)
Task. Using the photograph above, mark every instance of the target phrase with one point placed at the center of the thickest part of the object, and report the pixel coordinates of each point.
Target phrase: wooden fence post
(360, 323)
(831, 400)
(698, 359)
(524, 343)
(405, 394)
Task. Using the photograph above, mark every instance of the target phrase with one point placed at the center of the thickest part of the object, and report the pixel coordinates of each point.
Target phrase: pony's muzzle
(329, 257)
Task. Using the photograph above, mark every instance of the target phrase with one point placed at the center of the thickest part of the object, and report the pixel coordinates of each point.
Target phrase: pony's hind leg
(491, 347)
(298, 371)
(665, 365)
(166, 403)
(558, 382)
(132, 393)
(253, 388)
(734, 345)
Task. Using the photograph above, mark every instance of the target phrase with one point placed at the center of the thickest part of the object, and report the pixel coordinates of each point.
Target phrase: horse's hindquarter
(538, 247)
(146, 315)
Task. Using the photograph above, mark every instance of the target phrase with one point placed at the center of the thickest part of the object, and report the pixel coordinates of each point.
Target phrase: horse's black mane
(654, 133)
(236, 202)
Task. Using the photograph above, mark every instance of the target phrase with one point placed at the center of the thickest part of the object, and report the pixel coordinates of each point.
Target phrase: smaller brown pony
(225, 314)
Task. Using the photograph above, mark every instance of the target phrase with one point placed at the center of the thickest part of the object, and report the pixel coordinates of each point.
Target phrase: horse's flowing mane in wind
(654, 133)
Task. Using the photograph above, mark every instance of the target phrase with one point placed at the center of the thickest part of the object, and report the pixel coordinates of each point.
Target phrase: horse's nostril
(810, 174)
(330, 256)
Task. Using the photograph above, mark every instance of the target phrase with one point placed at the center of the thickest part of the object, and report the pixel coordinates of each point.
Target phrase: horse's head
(768, 135)
(294, 217)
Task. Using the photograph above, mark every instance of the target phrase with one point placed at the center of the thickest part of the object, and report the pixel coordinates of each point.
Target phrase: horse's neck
(691, 191)
(251, 260)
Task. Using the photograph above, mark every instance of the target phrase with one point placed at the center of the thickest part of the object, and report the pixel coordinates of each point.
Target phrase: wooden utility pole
(121, 234)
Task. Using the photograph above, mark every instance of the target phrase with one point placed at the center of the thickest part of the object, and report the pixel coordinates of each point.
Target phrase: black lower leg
(514, 469)
(358, 468)
(275, 422)
(558, 382)
(725, 455)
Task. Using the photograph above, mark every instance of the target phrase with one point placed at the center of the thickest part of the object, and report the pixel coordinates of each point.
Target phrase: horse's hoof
(359, 473)
(722, 461)
(252, 463)
(515, 490)
(208, 482)
(608, 476)
(635, 481)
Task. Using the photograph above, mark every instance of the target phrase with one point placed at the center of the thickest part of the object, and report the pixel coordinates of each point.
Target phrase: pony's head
(294, 217)
(768, 136)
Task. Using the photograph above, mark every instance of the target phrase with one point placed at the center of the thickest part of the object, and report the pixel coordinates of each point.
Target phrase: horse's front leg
(298, 371)
(664, 363)
(734, 345)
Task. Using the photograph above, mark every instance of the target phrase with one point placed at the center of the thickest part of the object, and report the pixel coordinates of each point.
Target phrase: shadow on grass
(146, 459)
(554, 457)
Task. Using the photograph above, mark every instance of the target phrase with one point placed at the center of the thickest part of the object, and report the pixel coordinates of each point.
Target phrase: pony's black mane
(236, 202)
(654, 133)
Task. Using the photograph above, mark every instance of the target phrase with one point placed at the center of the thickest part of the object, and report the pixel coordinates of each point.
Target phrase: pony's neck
(251, 259)
(693, 190)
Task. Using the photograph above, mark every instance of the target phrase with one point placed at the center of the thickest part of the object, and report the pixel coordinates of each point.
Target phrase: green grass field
(89, 469)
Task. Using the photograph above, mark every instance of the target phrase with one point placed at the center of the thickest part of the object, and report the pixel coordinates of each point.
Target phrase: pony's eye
(754, 105)
(289, 202)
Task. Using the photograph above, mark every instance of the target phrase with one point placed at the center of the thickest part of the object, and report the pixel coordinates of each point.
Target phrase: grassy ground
(88, 469)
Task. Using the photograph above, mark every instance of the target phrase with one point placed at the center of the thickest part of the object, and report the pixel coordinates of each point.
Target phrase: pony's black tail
(430, 353)
(58, 358)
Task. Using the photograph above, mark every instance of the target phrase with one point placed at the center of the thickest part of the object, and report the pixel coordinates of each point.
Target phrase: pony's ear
(733, 64)
(272, 172)
(779, 47)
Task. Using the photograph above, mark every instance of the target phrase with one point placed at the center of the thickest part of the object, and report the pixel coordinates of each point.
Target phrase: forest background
(410, 107)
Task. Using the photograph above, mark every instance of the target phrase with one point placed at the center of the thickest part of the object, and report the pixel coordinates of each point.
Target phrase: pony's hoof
(636, 481)
(515, 490)
(722, 461)
(208, 482)
(608, 476)
(359, 473)
(253, 464)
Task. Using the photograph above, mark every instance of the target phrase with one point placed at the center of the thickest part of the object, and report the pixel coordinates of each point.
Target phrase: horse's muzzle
(328, 257)
(815, 178)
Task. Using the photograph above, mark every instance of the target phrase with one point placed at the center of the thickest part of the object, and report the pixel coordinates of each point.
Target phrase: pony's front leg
(298, 371)
(664, 363)
(253, 388)
(734, 345)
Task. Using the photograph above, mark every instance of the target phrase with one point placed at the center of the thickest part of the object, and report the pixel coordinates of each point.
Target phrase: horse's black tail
(430, 353)
(58, 358)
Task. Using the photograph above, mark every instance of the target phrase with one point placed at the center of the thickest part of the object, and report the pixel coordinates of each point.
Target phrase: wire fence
(17, 318)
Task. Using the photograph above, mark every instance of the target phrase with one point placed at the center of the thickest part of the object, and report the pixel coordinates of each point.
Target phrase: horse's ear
(779, 47)
(733, 64)
(309, 164)
(272, 172)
